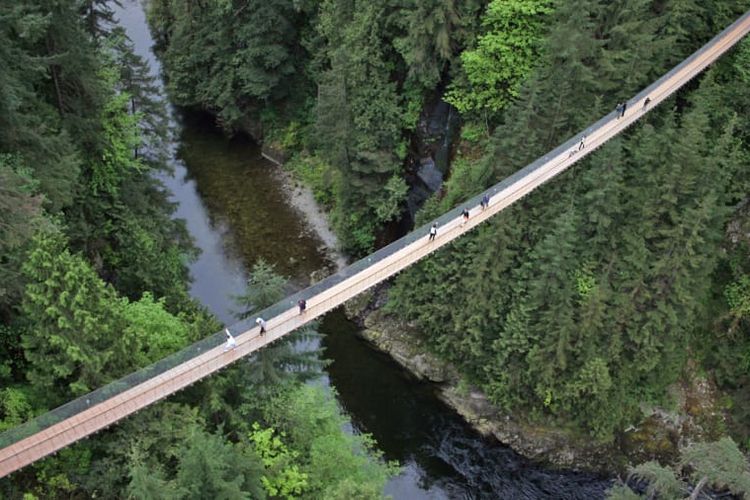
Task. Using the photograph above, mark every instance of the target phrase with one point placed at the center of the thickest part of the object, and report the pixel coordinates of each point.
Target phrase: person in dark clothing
(646, 103)
(465, 215)
(433, 232)
(618, 108)
(302, 304)
(582, 144)
(624, 107)
(485, 201)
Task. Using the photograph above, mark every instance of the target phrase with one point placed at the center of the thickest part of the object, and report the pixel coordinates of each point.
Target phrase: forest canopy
(574, 308)
(94, 285)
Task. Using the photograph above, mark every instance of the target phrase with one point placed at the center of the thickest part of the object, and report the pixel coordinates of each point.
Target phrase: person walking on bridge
(623, 108)
(302, 304)
(485, 201)
(433, 232)
(231, 343)
(465, 215)
(262, 324)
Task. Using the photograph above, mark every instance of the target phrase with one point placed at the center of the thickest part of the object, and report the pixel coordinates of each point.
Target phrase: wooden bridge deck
(87, 421)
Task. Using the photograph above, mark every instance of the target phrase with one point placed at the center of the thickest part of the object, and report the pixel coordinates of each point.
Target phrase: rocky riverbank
(660, 435)
(302, 199)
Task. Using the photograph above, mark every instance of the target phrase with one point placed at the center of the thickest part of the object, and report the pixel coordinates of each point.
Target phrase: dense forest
(93, 285)
(573, 308)
(592, 296)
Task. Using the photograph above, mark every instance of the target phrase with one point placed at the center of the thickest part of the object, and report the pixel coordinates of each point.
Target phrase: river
(236, 209)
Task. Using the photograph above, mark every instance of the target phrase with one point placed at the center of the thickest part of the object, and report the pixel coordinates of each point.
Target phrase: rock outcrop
(660, 435)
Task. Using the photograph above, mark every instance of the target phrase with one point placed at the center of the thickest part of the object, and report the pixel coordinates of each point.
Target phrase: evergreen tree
(593, 310)
(493, 71)
(720, 466)
(248, 55)
(210, 467)
(98, 16)
(20, 205)
(145, 100)
(432, 31)
(30, 126)
(78, 333)
(359, 120)
(147, 482)
(291, 356)
(73, 340)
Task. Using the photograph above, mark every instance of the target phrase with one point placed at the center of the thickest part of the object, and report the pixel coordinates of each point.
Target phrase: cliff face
(659, 435)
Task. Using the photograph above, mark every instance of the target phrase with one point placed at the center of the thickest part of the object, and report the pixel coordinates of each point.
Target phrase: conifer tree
(73, 340)
(363, 124)
(30, 126)
(271, 365)
(210, 467)
(431, 34)
(492, 72)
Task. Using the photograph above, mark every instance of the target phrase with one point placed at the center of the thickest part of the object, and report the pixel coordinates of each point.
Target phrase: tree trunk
(698, 488)
(55, 77)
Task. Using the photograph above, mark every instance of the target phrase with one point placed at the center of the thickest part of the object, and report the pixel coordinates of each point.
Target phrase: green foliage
(579, 303)
(120, 137)
(208, 466)
(661, 480)
(503, 57)
(742, 61)
(737, 294)
(388, 208)
(622, 492)
(247, 59)
(79, 333)
(471, 132)
(315, 174)
(264, 288)
(282, 477)
(152, 331)
(356, 229)
(432, 31)
(73, 339)
(21, 206)
(211, 467)
(585, 282)
(334, 461)
(32, 120)
(147, 482)
(722, 463)
(20, 202)
(359, 119)
(719, 465)
(15, 407)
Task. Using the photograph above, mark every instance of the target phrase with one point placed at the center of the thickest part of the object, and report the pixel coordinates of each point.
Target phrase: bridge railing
(116, 387)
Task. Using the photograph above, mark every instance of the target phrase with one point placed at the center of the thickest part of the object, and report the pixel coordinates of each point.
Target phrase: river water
(236, 209)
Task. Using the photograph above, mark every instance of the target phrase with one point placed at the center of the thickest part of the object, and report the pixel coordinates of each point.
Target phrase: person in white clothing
(231, 343)
(262, 324)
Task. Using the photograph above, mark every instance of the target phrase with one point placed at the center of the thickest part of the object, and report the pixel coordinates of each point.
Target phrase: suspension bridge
(99, 409)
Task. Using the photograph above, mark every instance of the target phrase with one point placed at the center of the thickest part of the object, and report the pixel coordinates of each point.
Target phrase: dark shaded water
(237, 213)
(441, 455)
